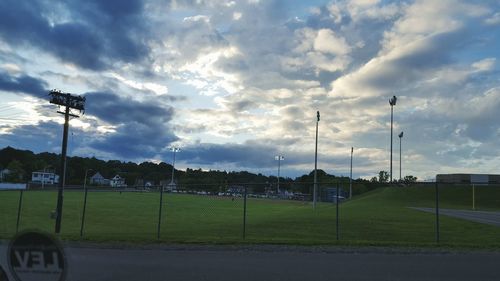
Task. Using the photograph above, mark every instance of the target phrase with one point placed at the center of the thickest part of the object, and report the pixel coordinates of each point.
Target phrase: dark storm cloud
(258, 155)
(136, 141)
(98, 33)
(44, 136)
(248, 155)
(22, 84)
(142, 128)
(115, 109)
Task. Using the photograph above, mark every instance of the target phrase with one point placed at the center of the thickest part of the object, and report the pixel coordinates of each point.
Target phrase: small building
(236, 189)
(167, 185)
(468, 178)
(4, 173)
(171, 186)
(44, 177)
(98, 179)
(117, 181)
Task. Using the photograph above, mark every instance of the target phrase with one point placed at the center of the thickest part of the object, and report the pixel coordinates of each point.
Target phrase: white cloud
(335, 13)
(11, 68)
(485, 64)
(237, 15)
(427, 18)
(327, 41)
(493, 20)
(364, 3)
(154, 87)
(196, 18)
(204, 68)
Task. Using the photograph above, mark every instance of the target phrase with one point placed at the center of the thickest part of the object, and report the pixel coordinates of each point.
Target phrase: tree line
(21, 163)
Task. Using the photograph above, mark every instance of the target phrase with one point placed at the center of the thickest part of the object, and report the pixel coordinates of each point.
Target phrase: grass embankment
(380, 217)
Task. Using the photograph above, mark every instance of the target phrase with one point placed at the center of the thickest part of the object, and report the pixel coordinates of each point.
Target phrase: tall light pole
(350, 176)
(174, 150)
(392, 102)
(400, 137)
(315, 190)
(279, 158)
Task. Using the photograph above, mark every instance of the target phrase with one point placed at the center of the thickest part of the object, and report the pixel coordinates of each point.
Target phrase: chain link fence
(419, 214)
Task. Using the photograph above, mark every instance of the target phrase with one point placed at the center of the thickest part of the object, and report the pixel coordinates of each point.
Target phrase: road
(492, 218)
(155, 262)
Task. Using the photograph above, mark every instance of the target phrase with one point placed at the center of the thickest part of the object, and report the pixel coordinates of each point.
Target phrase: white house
(3, 174)
(44, 177)
(98, 179)
(117, 181)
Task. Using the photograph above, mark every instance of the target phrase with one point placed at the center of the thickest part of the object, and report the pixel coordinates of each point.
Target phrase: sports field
(380, 217)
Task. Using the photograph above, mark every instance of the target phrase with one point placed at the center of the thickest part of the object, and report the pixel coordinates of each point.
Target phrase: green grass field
(380, 217)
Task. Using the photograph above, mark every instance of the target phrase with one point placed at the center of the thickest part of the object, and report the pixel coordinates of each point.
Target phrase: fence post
(160, 212)
(337, 212)
(83, 212)
(244, 212)
(19, 210)
(437, 212)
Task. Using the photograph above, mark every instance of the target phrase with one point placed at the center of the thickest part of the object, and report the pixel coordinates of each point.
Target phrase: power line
(15, 119)
(8, 111)
(12, 114)
(7, 106)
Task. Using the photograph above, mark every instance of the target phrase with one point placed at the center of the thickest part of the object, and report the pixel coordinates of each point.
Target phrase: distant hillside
(24, 162)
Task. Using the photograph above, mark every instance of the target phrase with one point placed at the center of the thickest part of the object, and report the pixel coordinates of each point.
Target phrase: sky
(235, 83)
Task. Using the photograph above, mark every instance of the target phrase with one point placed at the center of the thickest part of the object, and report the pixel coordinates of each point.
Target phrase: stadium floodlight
(279, 158)
(315, 188)
(400, 137)
(392, 103)
(70, 102)
(350, 175)
(66, 99)
(174, 150)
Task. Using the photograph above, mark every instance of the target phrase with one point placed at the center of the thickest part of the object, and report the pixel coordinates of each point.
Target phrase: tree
(410, 179)
(383, 176)
(16, 171)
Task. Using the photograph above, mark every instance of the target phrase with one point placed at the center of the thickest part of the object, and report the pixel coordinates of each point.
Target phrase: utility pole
(70, 102)
(315, 191)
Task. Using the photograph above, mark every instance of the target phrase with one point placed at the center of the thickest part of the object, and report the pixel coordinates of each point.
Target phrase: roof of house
(44, 172)
(97, 176)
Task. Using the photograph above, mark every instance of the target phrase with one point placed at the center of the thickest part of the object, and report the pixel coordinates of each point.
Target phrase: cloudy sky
(234, 83)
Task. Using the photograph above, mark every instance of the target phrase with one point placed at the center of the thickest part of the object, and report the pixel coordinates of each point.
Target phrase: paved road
(492, 218)
(274, 263)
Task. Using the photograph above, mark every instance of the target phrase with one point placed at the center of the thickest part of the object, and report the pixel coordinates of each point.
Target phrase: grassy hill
(380, 217)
